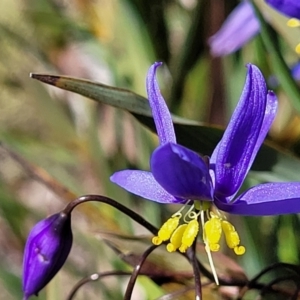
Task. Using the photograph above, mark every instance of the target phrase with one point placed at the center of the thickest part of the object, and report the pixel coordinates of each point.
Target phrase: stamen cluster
(182, 236)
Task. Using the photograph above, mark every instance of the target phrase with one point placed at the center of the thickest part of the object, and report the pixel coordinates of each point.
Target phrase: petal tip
(114, 177)
(271, 93)
(157, 64)
(251, 66)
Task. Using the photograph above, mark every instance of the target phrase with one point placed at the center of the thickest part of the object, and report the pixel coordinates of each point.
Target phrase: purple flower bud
(47, 248)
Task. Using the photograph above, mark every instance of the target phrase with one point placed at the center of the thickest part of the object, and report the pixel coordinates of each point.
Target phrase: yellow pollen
(175, 240)
(232, 238)
(166, 230)
(293, 22)
(182, 236)
(239, 250)
(297, 49)
(207, 249)
(213, 232)
(189, 235)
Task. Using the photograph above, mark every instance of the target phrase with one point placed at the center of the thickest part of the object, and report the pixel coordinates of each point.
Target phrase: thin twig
(191, 253)
(94, 277)
(269, 286)
(254, 284)
(136, 272)
(273, 267)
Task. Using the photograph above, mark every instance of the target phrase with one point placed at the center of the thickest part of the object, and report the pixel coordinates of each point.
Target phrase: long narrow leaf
(196, 136)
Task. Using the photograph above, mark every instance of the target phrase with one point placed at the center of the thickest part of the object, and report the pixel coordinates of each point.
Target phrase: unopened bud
(47, 248)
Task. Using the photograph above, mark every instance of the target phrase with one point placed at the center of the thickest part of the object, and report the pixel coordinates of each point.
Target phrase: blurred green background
(80, 142)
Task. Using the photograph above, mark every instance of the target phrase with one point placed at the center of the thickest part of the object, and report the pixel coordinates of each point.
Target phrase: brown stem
(98, 198)
(136, 272)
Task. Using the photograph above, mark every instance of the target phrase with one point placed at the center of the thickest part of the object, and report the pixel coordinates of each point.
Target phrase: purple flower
(290, 8)
(240, 27)
(46, 250)
(179, 175)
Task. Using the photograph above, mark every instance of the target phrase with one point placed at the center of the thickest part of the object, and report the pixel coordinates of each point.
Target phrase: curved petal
(143, 184)
(181, 172)
(270, 113)
(290, 8)
(240, 27)
(160, 111)
(234, 154)
(266, 199)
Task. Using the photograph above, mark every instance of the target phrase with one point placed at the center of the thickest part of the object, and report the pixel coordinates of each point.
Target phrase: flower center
(181, 231)
(293, 23)
(181, 236)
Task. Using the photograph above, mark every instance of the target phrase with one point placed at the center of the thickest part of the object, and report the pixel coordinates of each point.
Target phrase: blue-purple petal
(233, 156)
(181, 172)
(266, 199)
(240, 27)
(143, 184)
(160, 111)
(290, 8)
(270, 113)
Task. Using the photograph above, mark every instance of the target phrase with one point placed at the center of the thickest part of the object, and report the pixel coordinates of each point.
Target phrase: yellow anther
(239, 250)
(166, 230)
(297, 49)
(176, 238)
(293, 22)
(213, 232)
(189, 235)
(232, 238)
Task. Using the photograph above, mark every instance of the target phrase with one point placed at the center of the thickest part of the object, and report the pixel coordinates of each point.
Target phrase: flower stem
(97, 198)
(191, 254)
(136, 272)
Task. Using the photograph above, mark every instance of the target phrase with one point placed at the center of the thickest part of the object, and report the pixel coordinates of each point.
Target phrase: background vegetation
(66, 145)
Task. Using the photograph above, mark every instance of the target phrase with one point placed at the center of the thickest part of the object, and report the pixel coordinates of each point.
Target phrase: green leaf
(102, 93)
(194, 135)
